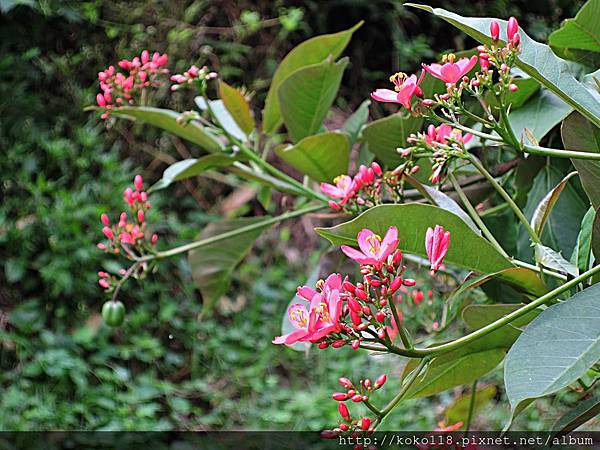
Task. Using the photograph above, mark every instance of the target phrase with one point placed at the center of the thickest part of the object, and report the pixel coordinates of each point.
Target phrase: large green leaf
(559, 232)
(539, 115)
(385, 135)
(306, 95)
(467, 249)
(321, 156)
(555, 349)
(596, 236)
(312, 51)
(166, 119)
(551, 259)
(450, 370)
(237, 106)
(578, 134)
(213, 264)
(188, 168)
(536, 59)
(583, 248)
(579, 38)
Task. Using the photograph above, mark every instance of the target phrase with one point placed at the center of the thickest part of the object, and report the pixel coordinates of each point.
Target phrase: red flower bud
(512, 28)
(381, 333)
(340, 396)
(140, 215)
(365, 423)
(366, 310)
(356, 320)
(108, 233)
(408, 282)
(380, 316)
(334, 205)
(323, 345)
(357, 398)
(376, 168)
(138, 182)
(495, 30)
(105, 220)
(345, 382)
(354, 305)
(380, 381)
(368, 383)
(347, 286)
(338, 344)
(395, 284)
(360, 294)
(355, 344)
(343, 410)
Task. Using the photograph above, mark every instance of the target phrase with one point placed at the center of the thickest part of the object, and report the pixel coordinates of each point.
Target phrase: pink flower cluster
(356, 393)
(188, 77)
(129, 236)
(124, 88)
(337, 312)
(369, 187)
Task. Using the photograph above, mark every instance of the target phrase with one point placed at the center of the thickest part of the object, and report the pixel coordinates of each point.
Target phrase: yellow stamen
(374, 241)
(449, 58)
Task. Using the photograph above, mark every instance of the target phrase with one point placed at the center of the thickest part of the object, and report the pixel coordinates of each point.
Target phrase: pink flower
(442, 133)
(323, 316)
(345, 188)
(404, 89)
(450, 71)
(373, 250)
(436, 245)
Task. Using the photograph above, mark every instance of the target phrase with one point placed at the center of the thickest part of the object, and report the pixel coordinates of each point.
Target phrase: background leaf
(583, 248)
(459, 409)
(309, 52)
(577, 416)
(385, 135)
(166, 119)
(213, 264)
(412, 221)
(544, 208)
(306, 95)
(578, 134)
(555, 349)
(237, 106)
(554, 260)
(353, 125)
(224, 117)
(321, 156)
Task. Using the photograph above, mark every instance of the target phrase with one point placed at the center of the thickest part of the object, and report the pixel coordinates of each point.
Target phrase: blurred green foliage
(60, 367)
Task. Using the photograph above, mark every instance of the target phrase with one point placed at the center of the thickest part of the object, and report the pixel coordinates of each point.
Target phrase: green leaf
(579, 36)
(583, 248)
(539, 115)
(450, 370)
(237, 106)
(544, 208)
(478, 316)
(555, 349)
(166, 119)
(554, 260)
(559, 232)
(191, 167)
(577, 416)
(352, 126)
(578, 134)
(521, 278)
(412, 221)
(213, 264)
(536, 59)
(306, 95)
(459, 409)
(321, 156)
(312, 51)
(223, 116)
(385, 135)
(596, 236)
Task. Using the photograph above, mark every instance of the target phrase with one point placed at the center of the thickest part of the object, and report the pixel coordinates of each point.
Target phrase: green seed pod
(113, 313)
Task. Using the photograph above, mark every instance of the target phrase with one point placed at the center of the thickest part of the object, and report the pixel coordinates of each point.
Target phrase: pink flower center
(298, 316)
(398, 79)
(374, 242)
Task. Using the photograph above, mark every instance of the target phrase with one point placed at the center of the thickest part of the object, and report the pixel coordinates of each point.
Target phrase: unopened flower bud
(512, 28)
(339, 396)
(354, 305)
(381, 333)
(360, 294)
(140, 215)
(343, 426)
(108, 233)
(357, 398)
(395, 284)
(343, 410)
(334, 205)
(376, 168)
(368, 383)
(428, 102)
(355, 344)
(408, 282)
(154, 238)
(380, 316)
(105, 220)
(323, 345)
(339, 343)
(495, 30)
(512, 87)
(138, 182)
(101, 246)
(380, 381)
(365, 423)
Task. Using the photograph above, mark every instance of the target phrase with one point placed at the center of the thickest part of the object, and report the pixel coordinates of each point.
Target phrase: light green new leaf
(312, 51)
(578, 134)
(467, 249)
(321, 156)
(536, 59)
(450, 370)
(555, 349)
(237, 106)
(353, 125)
(385, 135)
(458, 411)
(191, 167)
(596, 236)
(544, 208)
(213, 264)
(306, 95)
(579, 38)
(166, 119)
(539, 115)
(577, 416)
(551, 259)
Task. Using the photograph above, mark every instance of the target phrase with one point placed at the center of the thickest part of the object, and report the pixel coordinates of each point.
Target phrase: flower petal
(385, 95)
